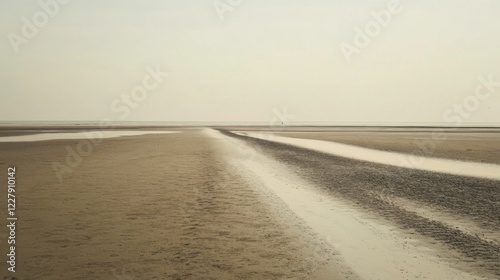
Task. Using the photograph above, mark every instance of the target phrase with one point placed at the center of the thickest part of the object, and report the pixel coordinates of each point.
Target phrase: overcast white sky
(264, 55)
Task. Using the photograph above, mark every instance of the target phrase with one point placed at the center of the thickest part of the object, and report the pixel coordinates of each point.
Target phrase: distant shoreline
(361, 128)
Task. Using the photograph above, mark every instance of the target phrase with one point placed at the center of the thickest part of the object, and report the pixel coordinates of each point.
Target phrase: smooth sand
(153, 207)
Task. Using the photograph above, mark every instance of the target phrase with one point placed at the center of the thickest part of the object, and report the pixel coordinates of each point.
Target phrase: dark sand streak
(365, 183)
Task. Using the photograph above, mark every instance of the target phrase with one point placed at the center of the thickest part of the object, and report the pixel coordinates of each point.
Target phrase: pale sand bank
(456, 167)
(96, 134)
(476, 145)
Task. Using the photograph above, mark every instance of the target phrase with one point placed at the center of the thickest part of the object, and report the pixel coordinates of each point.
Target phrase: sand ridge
(465, 144)
(455, 167)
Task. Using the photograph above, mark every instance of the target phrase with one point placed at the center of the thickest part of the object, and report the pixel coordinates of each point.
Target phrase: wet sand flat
(209, 204)
(152, 207)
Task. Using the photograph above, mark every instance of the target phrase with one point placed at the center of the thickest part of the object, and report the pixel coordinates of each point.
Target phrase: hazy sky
(262, 57)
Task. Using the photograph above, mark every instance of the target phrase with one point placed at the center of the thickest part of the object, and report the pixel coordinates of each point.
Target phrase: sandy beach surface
(154, 207)
(211, 204)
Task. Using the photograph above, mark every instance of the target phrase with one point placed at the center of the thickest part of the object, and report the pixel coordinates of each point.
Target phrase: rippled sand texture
(213, 204)
(165, 206)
